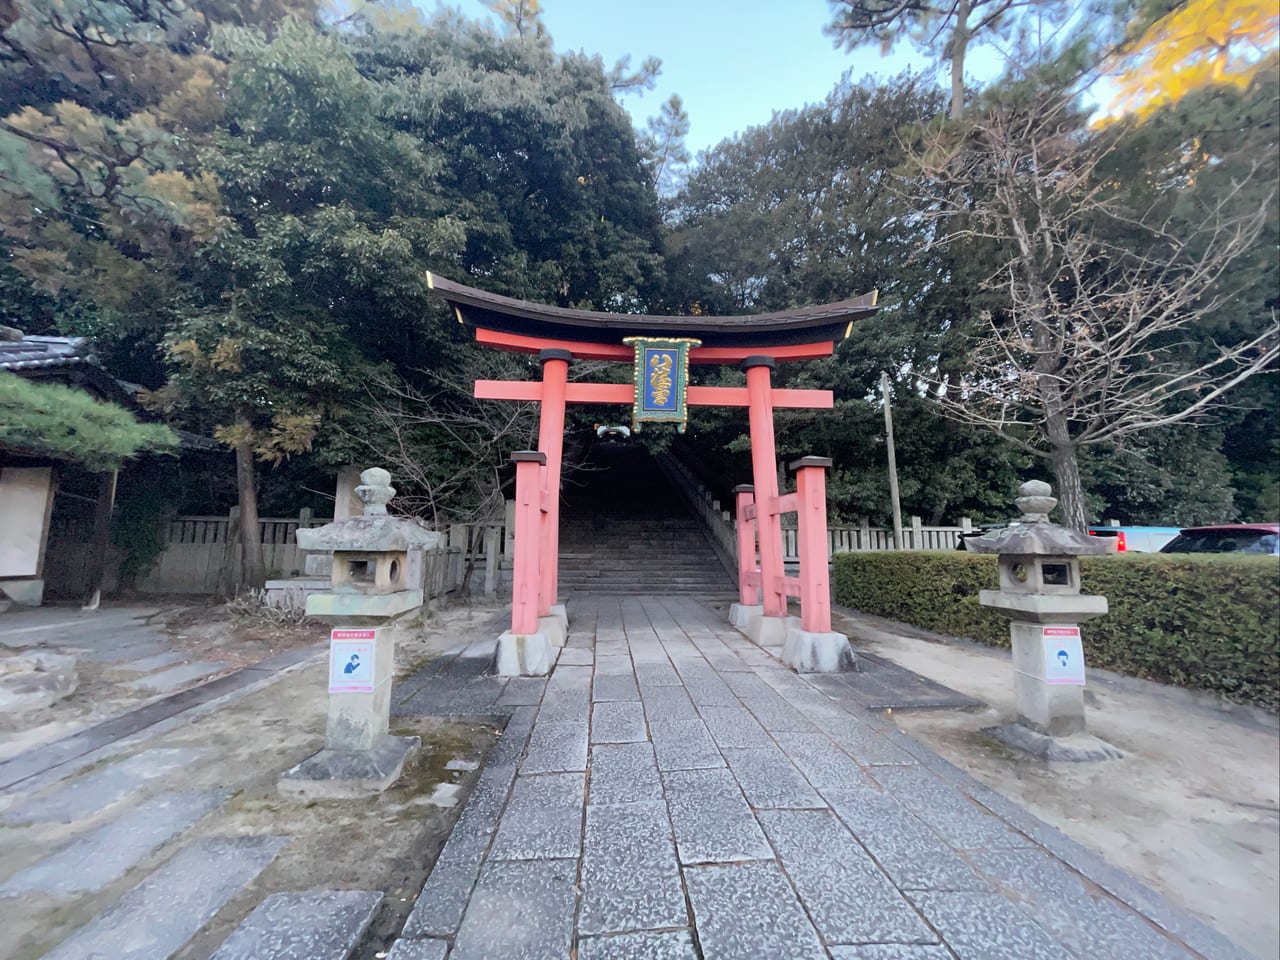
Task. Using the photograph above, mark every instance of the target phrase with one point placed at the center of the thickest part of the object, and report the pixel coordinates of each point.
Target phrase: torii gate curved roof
(825, 323)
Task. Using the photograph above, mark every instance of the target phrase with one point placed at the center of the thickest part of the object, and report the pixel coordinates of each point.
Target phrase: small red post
(528, 541)
(811, 518)
(744, 496)
(764, 469)
(555, 378)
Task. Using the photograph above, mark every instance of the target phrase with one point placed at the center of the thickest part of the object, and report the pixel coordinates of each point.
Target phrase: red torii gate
(756, 343)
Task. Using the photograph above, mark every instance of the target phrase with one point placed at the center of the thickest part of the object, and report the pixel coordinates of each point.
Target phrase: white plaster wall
(24, 510)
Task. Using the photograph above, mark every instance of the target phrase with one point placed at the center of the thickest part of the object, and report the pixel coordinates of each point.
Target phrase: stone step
(93, 861)
(155, 919)
(176, 677)
(83, 796)
(306, 925)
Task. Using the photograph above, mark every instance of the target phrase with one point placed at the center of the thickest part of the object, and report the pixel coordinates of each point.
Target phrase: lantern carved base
(348, 774)
(1077, 748)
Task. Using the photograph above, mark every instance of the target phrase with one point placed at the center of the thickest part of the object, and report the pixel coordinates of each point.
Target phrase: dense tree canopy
(241, 201)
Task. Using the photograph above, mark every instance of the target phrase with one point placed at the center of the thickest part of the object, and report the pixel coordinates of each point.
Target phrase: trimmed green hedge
(1196, 621)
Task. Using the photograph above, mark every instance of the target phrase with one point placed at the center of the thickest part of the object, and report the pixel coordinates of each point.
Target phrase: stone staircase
(625, 530)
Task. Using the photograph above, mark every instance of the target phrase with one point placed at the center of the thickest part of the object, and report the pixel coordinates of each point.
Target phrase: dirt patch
(387, 842)
(1193, 810)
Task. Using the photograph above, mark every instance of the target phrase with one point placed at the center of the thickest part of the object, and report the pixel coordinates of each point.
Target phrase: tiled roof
(39, 353)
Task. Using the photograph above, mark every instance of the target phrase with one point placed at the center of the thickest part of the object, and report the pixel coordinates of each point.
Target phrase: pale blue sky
(734, 62)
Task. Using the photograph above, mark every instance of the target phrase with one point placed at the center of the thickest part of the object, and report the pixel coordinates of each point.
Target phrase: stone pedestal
(359, 756)
(770, 631)
(740, 614)
(524, 654)
(554, 629)
(1054, 709)
(807, 652)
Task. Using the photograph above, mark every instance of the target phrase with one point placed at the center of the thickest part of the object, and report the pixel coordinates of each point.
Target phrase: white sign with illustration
(351, 655)
(1063, 656)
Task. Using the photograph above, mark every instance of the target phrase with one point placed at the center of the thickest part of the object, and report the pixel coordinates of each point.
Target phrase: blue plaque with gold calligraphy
(661, 380)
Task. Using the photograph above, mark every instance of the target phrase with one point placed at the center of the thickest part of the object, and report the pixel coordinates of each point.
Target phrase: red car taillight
(1120, 547)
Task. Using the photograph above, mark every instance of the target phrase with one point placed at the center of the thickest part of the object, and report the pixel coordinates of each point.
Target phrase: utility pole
(893, 463)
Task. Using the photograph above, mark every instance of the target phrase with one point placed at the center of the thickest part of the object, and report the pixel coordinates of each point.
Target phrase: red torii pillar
(555, 380)
(538, 621)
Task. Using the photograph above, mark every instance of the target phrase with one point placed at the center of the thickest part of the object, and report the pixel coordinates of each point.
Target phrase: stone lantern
(378, 575)
(1039, 566)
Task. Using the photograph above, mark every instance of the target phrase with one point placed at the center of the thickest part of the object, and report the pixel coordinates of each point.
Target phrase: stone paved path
(672, 792)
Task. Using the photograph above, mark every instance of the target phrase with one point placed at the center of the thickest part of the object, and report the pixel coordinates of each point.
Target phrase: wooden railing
(840, 539)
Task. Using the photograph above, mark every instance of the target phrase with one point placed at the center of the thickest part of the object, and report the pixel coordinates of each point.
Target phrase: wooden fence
(203, 557)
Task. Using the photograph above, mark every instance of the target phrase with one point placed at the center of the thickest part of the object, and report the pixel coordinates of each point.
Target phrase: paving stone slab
(769, 779)
(93, 861)
(748, 911)
(630, 877)
(576, 656)
(711, 819)
(479, 696)
(543, 819)
(712, 692)
(684, 745)
(621, 687)
(862, 742)
(914, 856)
(565, 706)
(617, 665)
(154, 662)
(306, 925)
(891, 951)
(677, 945)
(520, 909)
(778, 716)
(623, 773)
(618, 722)
(86, 795)
(176, 677)
(959, 820)
(156, 918)
(439, 907)
(522, 691)
(824, 765)
(848, 897)
(418, 950)
(986, 926)
(657, 674)
(515, 736)
(667, 703)
(131, 651)
(1090, 923)
(879, 684)
(556, 747)
(734, 727)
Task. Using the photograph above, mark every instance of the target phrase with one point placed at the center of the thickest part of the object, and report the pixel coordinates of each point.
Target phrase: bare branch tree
(450, 450)
(1102, 330)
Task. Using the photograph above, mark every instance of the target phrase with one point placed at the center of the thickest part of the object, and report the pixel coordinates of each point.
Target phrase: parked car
(1257, 538)
(1137, 539)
